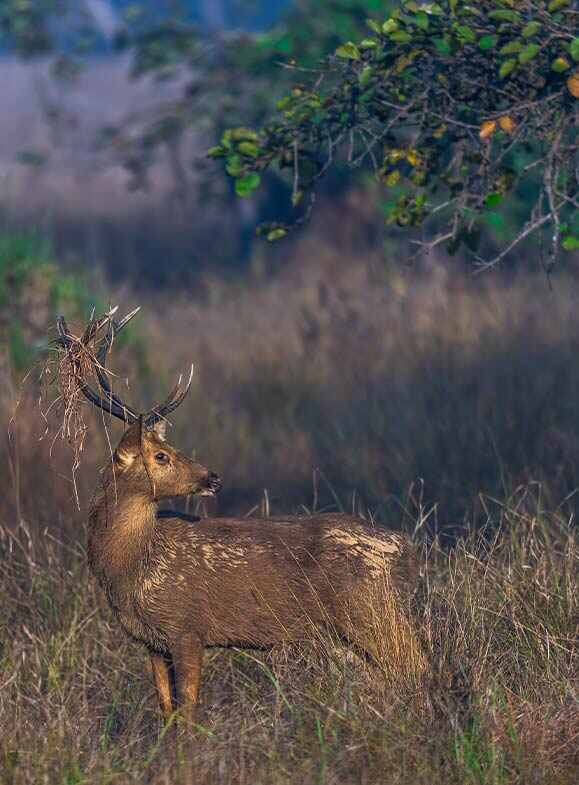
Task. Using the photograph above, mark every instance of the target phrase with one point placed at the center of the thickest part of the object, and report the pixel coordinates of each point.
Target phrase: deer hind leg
(161, 667)
(382, 628)
(188, 662)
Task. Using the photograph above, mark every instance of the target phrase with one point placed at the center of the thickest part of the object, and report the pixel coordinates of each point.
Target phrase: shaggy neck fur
(121, 525)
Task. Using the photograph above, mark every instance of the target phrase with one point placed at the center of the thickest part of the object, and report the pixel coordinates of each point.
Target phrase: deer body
(178, 587)
(243, 582)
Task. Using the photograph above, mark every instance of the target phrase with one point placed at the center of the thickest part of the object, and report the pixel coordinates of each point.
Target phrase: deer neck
(121, 526)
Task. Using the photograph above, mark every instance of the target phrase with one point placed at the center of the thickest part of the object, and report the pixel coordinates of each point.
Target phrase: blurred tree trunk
(105, 16)
(212, 14)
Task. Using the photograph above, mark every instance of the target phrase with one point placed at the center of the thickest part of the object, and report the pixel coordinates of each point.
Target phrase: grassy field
(498, 703)
(441, 406)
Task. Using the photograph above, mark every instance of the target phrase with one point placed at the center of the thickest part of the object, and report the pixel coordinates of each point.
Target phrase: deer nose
(214, 482)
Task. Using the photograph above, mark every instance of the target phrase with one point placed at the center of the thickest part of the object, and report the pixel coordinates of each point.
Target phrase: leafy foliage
(32, 292)
(310, 30)
(456, 107)
(465, 112)
(24, 26)
(236, 76)
(63, 28)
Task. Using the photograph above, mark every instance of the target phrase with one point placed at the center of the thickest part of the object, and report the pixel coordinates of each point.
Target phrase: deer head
(143, 457)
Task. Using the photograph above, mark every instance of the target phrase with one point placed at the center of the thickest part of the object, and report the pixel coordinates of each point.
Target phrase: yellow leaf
(573, 84)
(395, 155)
(392, 178)
(487, 129)
(412, 157)
(439, 132)
(507, 124)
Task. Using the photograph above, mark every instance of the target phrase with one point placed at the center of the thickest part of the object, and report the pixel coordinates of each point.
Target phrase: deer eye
(162, 457)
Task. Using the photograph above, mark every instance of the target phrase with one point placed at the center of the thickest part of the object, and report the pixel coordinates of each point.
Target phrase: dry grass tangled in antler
(68, 367)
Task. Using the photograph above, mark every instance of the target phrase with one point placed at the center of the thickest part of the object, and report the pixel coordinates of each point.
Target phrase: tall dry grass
(498, 703)
(410, 392)
(439, 404)
(344, 383)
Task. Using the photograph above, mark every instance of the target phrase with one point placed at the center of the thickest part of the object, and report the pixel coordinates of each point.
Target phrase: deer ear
(160, 429)
(130, 445)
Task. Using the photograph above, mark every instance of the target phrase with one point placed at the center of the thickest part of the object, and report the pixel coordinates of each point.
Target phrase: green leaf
(216, 152)
(368, 43)
(466, 33)
(574, 49)
(570, 243)
(276, 234)
(529, 52)
(390, 26)
(365, 75)
(512, 48)
(234, 166)
(432, 8)
(422, 21)
(401, 37)
(246, 185)
(297, 197)
(488, 42)
(349, 51)
(392, 179)
(226, 140)
(554, 5)
(242, 134)
(507, 67)
(504, 16)
(559, 65)
(373, 25)
(493, 199)
(248, 148)
(442, 46)
(531, 29)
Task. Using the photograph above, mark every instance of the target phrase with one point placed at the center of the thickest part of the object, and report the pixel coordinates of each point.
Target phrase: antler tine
(114, 328)
(156, 413)
(119, 325)
(173, 400)
(99, 361)
(94, 325)
(64, 338)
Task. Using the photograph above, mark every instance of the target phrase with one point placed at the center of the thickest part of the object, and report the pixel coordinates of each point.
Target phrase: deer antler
(173, 400)
(111, 402)
(101, 356)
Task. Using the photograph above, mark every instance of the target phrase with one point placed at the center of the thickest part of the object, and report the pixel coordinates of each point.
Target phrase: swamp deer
(178, 587)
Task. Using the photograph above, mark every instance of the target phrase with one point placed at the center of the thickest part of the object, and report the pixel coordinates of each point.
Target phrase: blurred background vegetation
(327, 365)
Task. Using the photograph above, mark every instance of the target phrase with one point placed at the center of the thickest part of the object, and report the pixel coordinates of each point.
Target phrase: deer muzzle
(211, 485)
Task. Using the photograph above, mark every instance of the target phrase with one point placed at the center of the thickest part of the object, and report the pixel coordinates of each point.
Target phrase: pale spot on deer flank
(375, 551)
(216, 556)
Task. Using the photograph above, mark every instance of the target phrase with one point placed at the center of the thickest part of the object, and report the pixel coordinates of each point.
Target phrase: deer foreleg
(188, 662)
(162, 677)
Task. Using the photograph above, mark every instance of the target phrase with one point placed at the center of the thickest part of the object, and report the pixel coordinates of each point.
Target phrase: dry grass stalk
(66, 369)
